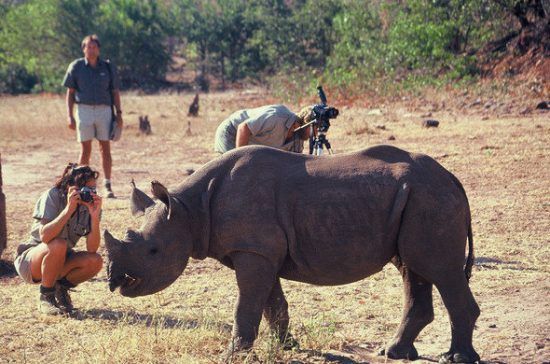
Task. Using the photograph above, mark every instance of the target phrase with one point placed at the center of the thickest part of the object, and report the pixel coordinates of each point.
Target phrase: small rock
(493, 326)
(544, 105)
(485, 117)
(189, 171)
(430, 123)
(476, 103)
(381, 127)
(391, 137)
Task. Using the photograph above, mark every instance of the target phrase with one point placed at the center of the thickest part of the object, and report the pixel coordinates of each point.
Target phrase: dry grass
(503, 163)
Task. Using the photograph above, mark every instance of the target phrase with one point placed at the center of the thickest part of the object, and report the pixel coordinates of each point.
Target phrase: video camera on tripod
(322, 114)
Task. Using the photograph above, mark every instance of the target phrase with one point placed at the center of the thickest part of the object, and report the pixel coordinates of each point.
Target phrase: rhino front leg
(276, 313)
(417, 313)
(256, 277)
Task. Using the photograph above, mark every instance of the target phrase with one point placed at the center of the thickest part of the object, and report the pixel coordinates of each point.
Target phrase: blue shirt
(92, 84)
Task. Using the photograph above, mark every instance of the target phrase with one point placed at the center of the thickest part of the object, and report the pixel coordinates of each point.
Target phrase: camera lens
(86, 194)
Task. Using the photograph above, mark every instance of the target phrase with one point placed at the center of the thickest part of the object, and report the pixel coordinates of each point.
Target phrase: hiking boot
(109, 191)
(63, 298)
(48, 305)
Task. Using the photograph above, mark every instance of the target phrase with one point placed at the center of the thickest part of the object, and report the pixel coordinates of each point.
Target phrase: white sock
(106, 181)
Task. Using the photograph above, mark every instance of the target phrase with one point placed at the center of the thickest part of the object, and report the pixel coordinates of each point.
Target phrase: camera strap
(81, 229)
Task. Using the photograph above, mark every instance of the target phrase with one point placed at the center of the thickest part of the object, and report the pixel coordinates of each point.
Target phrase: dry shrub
(190, 322)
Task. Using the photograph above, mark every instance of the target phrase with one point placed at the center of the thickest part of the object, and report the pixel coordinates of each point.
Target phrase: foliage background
(287, 44)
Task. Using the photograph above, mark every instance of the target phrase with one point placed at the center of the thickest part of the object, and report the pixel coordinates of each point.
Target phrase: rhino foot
(289, 342)
(238, 348)
(459, 357)
(400, 352)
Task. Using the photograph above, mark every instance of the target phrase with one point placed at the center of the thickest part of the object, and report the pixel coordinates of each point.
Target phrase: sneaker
(48, 305)
(109, 191)
(63, 298)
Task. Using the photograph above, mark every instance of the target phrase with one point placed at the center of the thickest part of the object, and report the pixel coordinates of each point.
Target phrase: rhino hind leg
(256, 277)
(417, 313)
(463, 312)
(276, 313)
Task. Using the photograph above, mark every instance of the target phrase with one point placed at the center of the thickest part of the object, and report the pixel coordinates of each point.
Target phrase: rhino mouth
(124, 281)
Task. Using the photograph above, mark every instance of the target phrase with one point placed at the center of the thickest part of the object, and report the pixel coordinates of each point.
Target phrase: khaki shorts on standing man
(90, 81)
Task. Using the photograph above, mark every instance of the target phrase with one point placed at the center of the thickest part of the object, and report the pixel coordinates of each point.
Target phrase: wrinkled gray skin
(329, 220)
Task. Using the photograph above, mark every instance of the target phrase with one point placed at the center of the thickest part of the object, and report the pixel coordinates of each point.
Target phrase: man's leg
(105, 148)
(85, 153)
(85, 132)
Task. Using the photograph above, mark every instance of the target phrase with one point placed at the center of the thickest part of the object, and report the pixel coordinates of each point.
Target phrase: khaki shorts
(22, 265)
(225, 138)
(93, 121)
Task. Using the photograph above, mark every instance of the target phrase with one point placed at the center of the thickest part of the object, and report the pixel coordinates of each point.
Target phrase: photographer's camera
(86, 194)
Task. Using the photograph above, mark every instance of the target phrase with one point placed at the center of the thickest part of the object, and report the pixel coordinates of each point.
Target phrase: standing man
(90, 81)
(271, 125)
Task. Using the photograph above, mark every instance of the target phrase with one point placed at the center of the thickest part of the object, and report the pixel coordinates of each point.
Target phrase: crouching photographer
(62, 215)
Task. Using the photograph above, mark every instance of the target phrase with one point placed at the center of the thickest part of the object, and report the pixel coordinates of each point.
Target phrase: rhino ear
(161, 192)
(113, 245)
(139, 201)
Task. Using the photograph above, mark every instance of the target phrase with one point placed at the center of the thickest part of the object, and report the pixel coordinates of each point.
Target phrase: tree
(134, 34)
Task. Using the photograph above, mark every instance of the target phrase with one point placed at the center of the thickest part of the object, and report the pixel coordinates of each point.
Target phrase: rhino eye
(153, 251)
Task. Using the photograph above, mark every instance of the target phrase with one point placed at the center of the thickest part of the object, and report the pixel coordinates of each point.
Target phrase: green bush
(14, 79)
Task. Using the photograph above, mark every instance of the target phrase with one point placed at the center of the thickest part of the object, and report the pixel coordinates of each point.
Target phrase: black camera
(323, 113)
(86, 194)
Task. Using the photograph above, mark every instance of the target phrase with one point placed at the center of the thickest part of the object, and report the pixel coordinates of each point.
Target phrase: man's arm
(70, 99)
(118, 108)
(243, 135)
(306, 132)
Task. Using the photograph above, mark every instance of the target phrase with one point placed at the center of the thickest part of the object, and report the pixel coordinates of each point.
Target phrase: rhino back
(323, 220)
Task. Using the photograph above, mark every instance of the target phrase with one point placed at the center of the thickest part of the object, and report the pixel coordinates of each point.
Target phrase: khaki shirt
(268, 125)
(92, 84)
(49, 206)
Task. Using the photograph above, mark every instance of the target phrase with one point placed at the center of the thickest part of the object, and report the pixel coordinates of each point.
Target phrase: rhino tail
(471, 257)
(399, 203)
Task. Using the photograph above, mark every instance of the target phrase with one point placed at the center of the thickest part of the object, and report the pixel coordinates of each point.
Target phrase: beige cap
(305, 115)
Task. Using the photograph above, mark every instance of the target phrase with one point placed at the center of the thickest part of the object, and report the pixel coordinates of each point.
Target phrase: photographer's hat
(305, 115)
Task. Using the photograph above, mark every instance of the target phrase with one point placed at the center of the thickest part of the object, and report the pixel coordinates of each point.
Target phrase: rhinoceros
(324, 220)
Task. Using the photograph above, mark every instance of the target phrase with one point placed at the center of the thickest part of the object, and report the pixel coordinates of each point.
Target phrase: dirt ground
(502, 158)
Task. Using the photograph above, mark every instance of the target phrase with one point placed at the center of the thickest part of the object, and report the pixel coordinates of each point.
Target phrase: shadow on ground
(134, 318)
(7, 270)
(351, 354)
(496, 263)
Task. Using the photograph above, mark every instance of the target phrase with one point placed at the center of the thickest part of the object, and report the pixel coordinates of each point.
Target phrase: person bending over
(62, 215)
(272, 125)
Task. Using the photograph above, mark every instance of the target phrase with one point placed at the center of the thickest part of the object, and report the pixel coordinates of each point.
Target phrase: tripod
(316, 144)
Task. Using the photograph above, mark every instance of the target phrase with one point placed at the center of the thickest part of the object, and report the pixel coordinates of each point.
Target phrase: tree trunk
(222, 70)
(3, 226)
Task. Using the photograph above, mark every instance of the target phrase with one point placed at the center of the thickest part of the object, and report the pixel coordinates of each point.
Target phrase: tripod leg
(327, 144)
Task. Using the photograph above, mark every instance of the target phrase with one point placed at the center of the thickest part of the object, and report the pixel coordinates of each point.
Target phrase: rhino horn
(161, 192)
(139, 201)
(113, 245)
